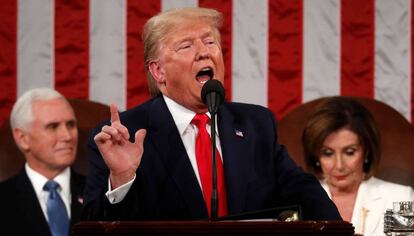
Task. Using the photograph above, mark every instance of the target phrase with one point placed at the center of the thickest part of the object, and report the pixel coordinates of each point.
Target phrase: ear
(157, 72)
(21, 139)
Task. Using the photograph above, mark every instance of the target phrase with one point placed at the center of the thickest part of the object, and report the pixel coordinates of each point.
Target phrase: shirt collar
(182, 116)
(38, 180)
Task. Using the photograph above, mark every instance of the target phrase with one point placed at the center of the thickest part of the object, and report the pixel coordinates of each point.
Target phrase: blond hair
(159, 26)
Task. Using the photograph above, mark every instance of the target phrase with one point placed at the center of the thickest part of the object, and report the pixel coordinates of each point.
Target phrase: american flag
(278, 53)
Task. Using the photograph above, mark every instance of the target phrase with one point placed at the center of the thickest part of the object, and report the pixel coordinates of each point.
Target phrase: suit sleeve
(97, 205)
(96, 183)
(297, 187)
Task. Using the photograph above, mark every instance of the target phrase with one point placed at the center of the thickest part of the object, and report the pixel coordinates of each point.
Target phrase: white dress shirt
(188, 132)
(38, 181)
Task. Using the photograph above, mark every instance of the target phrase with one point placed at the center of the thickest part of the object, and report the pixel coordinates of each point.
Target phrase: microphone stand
(212, 95)
(214, 195)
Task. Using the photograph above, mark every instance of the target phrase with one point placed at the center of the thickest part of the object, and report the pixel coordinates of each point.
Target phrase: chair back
(397, 138)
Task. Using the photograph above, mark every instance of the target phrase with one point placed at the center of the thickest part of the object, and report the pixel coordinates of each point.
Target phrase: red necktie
(204, 163)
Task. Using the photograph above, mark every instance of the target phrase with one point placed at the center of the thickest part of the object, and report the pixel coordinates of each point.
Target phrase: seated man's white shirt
(38, 181)
(188, 132)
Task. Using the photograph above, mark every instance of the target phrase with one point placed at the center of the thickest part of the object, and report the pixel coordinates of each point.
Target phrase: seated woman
(342, 147)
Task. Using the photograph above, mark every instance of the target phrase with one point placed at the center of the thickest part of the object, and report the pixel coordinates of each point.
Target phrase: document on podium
(285, 213)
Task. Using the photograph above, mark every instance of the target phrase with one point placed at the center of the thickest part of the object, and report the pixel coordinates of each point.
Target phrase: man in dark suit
(145, 163)
(44, 128)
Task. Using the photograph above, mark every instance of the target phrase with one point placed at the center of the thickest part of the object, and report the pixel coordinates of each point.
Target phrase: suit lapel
(236, 144)
(371, 203)
(29, 206)
(165, 137)
(77, 184)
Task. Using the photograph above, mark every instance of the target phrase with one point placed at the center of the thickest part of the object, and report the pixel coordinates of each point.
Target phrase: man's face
(188, 57)
(50, 143)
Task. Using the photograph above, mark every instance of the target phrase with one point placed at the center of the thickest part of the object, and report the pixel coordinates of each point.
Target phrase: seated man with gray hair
(45, 198)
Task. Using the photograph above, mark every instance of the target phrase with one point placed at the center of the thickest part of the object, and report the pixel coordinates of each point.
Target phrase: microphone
(212, 95)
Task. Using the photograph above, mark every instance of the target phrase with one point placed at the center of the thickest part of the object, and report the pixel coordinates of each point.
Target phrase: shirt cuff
(117, 195)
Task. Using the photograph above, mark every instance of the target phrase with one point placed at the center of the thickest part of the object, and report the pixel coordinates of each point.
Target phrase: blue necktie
(56, 210)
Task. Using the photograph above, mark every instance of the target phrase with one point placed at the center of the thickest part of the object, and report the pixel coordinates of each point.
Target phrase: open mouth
(204, 75)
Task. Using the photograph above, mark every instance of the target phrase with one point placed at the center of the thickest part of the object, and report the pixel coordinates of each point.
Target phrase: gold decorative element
(364, 218)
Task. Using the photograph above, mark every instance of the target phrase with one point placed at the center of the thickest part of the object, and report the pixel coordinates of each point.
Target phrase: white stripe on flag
(321, 49)
(170, 4)
(250, 51)
(393, 54)
(35, 45)
(108, 52)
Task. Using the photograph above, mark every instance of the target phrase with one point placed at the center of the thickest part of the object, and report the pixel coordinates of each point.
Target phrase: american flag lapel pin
(80, 200)
(238, 133)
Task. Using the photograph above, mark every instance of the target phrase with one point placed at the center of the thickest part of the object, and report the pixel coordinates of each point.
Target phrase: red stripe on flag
(357, 47)
(72, 48)
(226, 8)
(138, 12)
(8, 54)
(285, 55)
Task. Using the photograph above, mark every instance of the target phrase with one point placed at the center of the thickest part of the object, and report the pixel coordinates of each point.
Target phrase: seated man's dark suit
(259, 173)
(21, 213)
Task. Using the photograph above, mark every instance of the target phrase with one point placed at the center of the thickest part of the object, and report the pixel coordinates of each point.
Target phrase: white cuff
(117, 195)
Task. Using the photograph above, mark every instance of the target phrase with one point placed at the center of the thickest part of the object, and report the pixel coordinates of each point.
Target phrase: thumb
(140, 136)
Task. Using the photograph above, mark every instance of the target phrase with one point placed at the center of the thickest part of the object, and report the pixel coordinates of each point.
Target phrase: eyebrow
(188, 38)
(353, 145)
(348, 146)
(58, 122)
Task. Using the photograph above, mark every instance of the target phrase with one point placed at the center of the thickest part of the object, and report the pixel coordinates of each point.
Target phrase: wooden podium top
(213, 228)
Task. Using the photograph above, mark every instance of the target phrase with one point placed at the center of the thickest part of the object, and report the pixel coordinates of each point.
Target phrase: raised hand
(120, 155)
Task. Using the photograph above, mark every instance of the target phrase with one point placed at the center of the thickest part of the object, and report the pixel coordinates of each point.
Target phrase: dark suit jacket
(20, 211)
(259, 173)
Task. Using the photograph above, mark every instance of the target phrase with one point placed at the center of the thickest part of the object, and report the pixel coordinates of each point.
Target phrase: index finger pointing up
(114, 113)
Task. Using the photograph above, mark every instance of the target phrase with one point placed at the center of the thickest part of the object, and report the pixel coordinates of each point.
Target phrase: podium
(228, 228)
